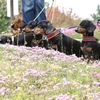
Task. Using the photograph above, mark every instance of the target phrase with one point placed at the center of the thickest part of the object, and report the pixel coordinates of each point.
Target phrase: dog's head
(86, 28)
(17, 24)
(30, 26)
(5, 39)
(44, 27)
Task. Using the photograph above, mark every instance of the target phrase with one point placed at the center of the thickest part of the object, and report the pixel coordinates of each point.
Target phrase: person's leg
(39, 5)
(28, 10)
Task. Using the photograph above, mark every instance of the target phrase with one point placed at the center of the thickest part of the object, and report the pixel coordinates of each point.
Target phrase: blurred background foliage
(4, 20)
(96, 16)
(60, 18)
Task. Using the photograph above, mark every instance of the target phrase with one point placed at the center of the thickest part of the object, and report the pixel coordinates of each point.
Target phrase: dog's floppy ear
(47, 25)
(91, 27)
(44, 23)
(84, 23)
(50, 28)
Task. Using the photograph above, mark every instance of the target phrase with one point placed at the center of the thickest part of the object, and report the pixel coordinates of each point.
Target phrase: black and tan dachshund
(39, 40)
(90, 47)
(58, 40)
(23, 39)
(5, 39)
(19, 40)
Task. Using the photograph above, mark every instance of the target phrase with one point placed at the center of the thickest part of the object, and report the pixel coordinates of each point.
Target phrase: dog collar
(89, 39)
(53, 34)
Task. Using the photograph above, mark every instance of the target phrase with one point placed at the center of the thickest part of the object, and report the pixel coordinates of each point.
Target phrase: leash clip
(44, 37)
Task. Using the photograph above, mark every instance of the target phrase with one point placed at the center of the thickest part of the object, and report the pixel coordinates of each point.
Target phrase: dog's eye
(39, 26)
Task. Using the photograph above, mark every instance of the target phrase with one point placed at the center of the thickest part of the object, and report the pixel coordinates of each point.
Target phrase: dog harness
(89, 39)
(52, 34)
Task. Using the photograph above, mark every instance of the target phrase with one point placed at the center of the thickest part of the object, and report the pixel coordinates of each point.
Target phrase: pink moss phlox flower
(32, 86)
(25, 80)
(2, 82)
(65, 97)
(96, 83)
(7, 45)
(5, 78)
(35, 57)
(47, 52)
(52, 98)
(96, 65)
(56, 87)
(95, 96)
(98, 24)
(17, 89)
(96, 74)
(2, 91)
(65, 82)
(34, 72)
(67, 30)
(36, 48)
(62, 97)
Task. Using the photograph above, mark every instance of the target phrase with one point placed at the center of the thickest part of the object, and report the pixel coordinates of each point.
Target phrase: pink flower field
(39, 74)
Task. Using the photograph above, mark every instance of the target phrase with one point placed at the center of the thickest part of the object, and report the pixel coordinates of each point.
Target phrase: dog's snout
(76, 30)
(12, 26)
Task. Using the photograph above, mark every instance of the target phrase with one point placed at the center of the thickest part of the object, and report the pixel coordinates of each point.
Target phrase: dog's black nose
(76, 30)
(12, 26)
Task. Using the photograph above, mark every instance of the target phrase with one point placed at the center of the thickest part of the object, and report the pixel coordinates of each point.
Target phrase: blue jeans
(30, 10)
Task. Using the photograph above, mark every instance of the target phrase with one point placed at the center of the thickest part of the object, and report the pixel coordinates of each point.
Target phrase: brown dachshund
(17, 25)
